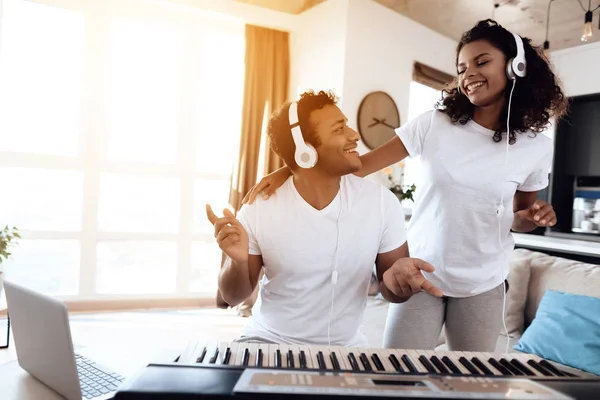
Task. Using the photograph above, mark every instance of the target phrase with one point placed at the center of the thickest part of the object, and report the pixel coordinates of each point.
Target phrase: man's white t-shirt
(298, 247)
(455, 224)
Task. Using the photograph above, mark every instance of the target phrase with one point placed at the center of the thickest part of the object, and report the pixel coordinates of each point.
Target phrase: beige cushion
(560, 274)
(518, 283)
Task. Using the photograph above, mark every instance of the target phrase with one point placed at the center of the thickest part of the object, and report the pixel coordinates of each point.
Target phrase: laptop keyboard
(94, 379)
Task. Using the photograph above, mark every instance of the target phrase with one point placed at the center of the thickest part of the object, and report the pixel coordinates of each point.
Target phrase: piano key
(501, 367)
(514, 370)
(321, 360)
(260, 358)
(277, 362)
(311, 354)
(451, 366)
(551, 368)
(233, 347)
(267, 351)
(482, 365)
(252, 350)
(384, 355)
(517, 364)
(353, 362)
(396, 363)
(290, 363)
(296, 355)
(365, 362)
(432, 356)
(409, 364)
(342, 354)
(326, 360)
(188, 352)
(377, 362)
(334, 361)
(454, 356)
(221, 350)
(226, 357)
(303, 360)
(427, 364)
(246, 357)
(537, 367)
(413, 356)
(469, 366)
(202, 355)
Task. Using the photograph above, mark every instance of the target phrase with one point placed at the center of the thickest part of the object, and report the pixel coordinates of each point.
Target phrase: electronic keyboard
(211, 370)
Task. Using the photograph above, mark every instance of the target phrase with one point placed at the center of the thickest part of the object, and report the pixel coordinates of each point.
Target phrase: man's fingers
(415, 284)
(227, 231)
(211, 215)
(227, 212)
(431, 289)
(423, 265)
(229, 240)
(223, 222)
(543, 213)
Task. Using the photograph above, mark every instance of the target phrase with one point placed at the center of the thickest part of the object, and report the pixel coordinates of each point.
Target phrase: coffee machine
(586, 206)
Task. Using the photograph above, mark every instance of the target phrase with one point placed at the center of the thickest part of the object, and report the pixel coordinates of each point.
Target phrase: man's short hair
(279, 131)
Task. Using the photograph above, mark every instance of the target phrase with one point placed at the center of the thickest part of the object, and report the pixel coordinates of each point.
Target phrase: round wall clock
(378, 117)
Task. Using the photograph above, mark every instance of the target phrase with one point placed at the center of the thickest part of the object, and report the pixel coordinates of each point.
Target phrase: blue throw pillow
(566, 329)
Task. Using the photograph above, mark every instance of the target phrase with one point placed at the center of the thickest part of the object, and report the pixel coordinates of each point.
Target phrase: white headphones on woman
(305, 155)
(516, 66)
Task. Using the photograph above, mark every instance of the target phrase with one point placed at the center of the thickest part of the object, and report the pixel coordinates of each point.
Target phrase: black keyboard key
(259, 358)
(455, 370)
(214, 357)
(510, 367)
(277, 359)
(439, 365)
(482, 366)
(539, 368)
(396, 363)
(411, 367)
(334, 361)
(425, 362)
(202, 355)
(365, 362)
(519, 365)
(551, 368)
(467, 364)
(302, 359)
(321, 360)
(353, 362)
(246, 358)
(290, 359)
(501, 368)
(227, 356)
(377, 362)
(569, 374)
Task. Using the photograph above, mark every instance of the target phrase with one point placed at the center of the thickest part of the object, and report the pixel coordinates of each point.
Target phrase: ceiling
(452, 17)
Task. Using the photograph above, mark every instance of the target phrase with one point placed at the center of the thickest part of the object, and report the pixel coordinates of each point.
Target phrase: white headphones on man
(305, 155)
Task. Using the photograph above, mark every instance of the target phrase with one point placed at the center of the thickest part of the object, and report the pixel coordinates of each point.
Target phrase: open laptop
(44, 347)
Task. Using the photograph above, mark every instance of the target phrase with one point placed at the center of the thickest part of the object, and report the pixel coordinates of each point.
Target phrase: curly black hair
(536, 97)
(279, 131)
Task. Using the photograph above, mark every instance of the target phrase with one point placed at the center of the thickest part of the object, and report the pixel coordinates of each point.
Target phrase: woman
(474, 188)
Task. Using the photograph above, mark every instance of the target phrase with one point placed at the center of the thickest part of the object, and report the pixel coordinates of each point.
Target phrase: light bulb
(587, 27)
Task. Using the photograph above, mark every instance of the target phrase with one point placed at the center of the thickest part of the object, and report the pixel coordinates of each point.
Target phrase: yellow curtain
(266, 84)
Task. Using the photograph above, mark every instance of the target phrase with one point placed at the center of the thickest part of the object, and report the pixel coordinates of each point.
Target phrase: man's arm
(237, 280)
(383, 262)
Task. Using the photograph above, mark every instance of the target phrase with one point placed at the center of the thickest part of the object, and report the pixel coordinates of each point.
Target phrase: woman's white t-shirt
(457, 223)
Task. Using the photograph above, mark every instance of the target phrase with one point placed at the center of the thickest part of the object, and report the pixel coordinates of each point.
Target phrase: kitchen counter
(557, 244)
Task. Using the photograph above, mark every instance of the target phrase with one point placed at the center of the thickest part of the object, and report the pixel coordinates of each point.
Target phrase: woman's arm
(389, 153)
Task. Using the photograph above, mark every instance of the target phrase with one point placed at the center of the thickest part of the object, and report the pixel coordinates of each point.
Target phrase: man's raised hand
(230, 234)
(404, 278)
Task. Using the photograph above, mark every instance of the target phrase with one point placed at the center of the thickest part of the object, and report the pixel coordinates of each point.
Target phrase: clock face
(378, 117)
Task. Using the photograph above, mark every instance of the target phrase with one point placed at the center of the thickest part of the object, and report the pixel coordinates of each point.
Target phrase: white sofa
(531, 274)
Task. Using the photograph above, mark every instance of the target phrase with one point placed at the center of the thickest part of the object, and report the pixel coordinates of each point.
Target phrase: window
(119, 121)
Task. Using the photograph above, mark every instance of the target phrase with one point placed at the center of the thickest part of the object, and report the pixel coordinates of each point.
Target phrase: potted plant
(8, 238)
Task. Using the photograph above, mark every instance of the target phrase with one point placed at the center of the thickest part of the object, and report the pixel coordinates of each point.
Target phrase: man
(317, 238)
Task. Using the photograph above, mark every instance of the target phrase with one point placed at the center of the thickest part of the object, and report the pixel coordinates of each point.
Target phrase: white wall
(318, 48)
(578, 68)
(382, 46)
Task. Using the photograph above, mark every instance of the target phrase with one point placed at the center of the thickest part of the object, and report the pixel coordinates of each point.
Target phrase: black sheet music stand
(3, 344)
